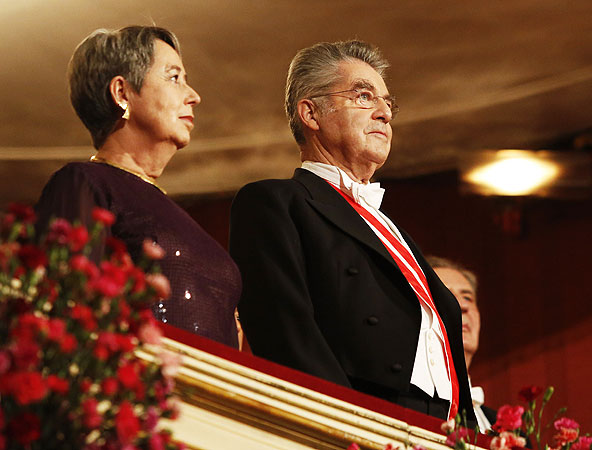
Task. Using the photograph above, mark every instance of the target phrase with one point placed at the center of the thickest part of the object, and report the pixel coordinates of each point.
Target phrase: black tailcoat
(321, 294)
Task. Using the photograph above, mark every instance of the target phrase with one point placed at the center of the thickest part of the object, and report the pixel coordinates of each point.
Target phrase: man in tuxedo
(463, 285)
(331, 286)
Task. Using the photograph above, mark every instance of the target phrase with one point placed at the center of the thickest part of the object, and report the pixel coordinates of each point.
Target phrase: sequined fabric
(205, 282)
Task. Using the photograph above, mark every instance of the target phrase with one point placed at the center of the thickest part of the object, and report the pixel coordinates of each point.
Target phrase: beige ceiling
(469, 74)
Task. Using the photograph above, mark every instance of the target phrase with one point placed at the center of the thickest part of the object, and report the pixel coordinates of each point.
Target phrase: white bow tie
(371, 193)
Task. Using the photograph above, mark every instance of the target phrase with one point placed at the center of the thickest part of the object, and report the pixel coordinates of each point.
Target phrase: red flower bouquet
(513, 423)
(69, 377)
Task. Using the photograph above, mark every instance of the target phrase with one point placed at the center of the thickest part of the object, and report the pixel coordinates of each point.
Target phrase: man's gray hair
(443, 263)
(314, 70)
(100, 57)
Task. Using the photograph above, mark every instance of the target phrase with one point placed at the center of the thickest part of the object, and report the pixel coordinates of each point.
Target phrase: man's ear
(118, 88)
(308, 113)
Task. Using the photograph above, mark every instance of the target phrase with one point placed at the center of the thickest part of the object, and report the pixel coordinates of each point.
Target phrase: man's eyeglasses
(366, 99)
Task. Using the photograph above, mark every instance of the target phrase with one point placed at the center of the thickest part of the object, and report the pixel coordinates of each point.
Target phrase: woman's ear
(308, 113)
(118, 88)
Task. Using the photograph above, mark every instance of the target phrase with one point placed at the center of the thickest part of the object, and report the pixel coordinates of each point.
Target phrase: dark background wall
(532, 258)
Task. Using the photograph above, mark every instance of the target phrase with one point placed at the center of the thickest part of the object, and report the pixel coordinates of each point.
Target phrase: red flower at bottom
(529, 393)
(103, 216)
(128, 376)
(507, 441)
(456, 436)
(568, 431)
(584, 443)
(32, 256)
(90, 416)
(57, 384)
(25, 428)
(126, 423)
(25, 387)
(508, 418)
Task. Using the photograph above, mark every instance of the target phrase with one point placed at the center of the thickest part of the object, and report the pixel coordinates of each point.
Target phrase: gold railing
(226, 405)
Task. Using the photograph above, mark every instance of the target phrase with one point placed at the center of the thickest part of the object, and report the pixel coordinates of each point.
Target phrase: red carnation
(151, 418)
(82, 264)
(457, 435)
(24, 213)
(128, 376)
(47, 288)
(126, 422)
(59, 231)
(152, 250)
(584, 443)
(56, 329)
(68, 343)
(111, 281)
(156, 442)
(139, 280)
(116, 245)
(25, 387)
(109, 386)
(78, 238)
(25, 353)
(101, 353)
(565, 422)
(508, 418)
(29, 325)
(32, 256)
(125, 342)
(103, 216)
(108, 340)
(25, 428)
(150, 333)
(160, 284)
(529, 393)
(140, 391)
(85, 385)
(568, 431)
(106, 345)
(90, 416)
(124, 311)
(57, 384)
(507, 441)
(4, 362)
(85, 316)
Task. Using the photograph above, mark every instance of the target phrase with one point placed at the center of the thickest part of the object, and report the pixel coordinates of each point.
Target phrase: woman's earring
(126, 111)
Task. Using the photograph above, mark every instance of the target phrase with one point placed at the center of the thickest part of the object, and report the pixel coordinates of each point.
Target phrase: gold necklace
(98, 159)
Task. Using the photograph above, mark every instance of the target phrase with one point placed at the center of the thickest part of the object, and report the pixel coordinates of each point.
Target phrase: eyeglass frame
(394, 109)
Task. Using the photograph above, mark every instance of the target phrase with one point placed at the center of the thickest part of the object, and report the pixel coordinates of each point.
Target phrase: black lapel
(328, 202)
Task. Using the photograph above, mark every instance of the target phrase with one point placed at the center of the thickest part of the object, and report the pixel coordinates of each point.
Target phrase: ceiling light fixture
(513, 173)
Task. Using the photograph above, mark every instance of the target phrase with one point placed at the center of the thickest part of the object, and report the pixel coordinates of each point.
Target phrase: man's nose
(382, 111)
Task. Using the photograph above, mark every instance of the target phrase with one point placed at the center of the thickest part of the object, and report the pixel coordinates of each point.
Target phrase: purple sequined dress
(205, 282)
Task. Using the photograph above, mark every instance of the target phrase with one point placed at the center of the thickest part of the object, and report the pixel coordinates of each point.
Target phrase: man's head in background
(463, 285)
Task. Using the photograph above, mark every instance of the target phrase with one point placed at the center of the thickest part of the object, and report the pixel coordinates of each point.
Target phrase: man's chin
(182, 143)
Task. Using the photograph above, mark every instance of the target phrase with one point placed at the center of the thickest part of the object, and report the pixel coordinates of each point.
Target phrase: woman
(129, 88)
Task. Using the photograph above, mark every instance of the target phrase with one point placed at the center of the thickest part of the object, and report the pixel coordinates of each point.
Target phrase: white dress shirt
(429, 369)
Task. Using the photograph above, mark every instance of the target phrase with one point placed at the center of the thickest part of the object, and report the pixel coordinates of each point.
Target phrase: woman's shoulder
(89, 175)
(75, 173)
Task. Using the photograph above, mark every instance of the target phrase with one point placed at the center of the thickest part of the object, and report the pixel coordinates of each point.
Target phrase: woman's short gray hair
(103, 55)
(315, 69)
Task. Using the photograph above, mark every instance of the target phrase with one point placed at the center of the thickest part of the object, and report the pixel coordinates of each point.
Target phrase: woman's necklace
(98, 159)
